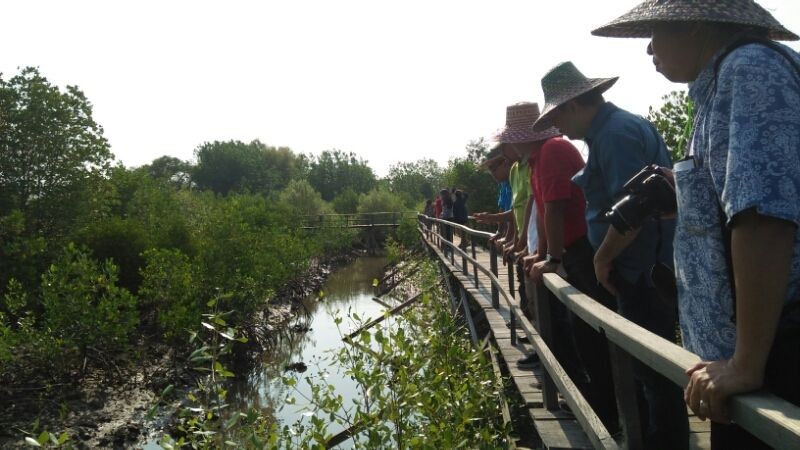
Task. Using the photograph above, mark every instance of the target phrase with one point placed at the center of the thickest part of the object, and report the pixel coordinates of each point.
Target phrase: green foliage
(407, 233)
(170, 169)
(346, 202)
(379, 200)
(673, 120)
(50, 148)
(84, 307)
(22, 256)
(301, 198)
(335, 171)
(170, 291)
(421, 385)
(121, 241)
(233, 166)
(417, 181)
(205, 421)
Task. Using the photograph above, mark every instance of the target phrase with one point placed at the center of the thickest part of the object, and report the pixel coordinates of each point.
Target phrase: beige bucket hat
(563, 83)
(638, 22)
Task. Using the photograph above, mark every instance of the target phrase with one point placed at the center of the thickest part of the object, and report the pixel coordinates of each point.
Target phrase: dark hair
(459, 193)
(428, 202)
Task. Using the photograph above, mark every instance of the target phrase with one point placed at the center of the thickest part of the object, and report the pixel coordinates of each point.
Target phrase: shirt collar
(701, 87)
(599, 120)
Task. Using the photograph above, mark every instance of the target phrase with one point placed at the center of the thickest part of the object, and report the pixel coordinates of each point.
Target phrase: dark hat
(563, 83)
(638, 22)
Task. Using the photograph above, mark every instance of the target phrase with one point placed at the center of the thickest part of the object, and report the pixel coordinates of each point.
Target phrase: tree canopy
(334, 171)
(233, 166)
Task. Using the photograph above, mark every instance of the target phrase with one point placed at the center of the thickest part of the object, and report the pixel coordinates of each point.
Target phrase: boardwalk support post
(625, 390)
(493, 268)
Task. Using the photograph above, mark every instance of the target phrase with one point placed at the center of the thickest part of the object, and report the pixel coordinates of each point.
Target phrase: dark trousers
(578, 260)
(663, 411)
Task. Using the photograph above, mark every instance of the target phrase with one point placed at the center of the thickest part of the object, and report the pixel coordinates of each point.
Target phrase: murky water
(348, 291)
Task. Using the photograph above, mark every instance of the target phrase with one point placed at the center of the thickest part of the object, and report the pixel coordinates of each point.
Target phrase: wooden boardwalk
(556, 428)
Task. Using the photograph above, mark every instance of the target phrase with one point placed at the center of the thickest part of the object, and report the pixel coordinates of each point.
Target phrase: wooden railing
(770, 418)
(357, 220)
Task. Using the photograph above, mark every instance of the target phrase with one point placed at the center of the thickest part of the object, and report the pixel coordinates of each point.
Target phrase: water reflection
(348, 290)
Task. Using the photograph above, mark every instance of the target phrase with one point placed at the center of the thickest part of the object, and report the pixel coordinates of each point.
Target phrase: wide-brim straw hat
(519, 125)
(563, 83)
(639, 22)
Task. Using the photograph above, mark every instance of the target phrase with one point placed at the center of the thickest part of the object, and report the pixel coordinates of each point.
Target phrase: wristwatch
(551, 259)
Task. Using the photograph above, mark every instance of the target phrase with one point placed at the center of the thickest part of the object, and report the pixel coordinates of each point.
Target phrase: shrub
(84, 306)
(169, 291)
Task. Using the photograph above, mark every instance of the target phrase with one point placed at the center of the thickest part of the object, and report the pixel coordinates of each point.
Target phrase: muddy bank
(108, 408)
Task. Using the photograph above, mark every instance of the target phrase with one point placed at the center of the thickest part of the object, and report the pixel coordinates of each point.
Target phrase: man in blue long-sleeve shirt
(620, 145)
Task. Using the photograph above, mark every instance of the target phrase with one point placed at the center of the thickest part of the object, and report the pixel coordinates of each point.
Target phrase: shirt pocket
(698, 203)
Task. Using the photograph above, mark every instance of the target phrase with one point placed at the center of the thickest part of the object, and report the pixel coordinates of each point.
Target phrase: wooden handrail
(768, 417)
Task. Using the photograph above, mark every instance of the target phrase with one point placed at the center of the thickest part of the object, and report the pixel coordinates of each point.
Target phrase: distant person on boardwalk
(428, 211)
(498, 167)
(460, 214)
(447, 214)
(437, 207)
(621, 144)
(737, 196)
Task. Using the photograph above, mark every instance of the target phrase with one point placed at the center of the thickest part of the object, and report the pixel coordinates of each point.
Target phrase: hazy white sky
(389, 80)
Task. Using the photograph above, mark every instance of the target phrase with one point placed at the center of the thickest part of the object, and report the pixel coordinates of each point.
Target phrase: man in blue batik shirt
(738, 199)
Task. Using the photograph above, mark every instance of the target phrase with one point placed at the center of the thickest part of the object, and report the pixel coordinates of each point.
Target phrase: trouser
(781, 377)
(578, 260)
(662, 410)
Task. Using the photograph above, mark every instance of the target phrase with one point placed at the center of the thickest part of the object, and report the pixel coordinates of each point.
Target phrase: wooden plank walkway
(556, 429)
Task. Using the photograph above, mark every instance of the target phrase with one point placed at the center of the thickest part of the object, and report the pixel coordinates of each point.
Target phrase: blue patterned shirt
(747, 155)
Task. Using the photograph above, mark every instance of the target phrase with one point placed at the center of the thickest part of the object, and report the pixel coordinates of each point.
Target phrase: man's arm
(554, 229)
(484, 217)
(613, 244)
(761, 251)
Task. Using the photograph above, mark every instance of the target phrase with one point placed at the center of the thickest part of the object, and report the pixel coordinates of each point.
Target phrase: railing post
(474, 266)
(544, 325)
(450, 236)
(512, 317)
(463, 246)
(493, 267)
(625, 390)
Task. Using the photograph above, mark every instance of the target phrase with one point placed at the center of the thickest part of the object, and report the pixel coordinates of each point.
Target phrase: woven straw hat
(519, 125)
(563, 83)
(638, 23)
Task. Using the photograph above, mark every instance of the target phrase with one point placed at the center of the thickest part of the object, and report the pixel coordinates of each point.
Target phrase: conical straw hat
(638, 23)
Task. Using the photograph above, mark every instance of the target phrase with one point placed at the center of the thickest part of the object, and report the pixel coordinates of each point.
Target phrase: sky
(388, 80)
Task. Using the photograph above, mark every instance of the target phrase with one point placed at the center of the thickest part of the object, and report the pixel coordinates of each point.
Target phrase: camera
(648, 194)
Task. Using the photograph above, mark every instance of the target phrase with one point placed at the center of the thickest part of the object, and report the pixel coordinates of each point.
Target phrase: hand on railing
(712, 383)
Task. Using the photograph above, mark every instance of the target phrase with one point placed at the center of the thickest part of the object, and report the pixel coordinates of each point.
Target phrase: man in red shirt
(561, 224)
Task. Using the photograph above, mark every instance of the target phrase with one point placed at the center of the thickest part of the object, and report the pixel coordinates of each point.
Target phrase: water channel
(348, 291)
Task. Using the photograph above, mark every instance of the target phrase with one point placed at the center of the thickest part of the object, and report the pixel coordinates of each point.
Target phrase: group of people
(450, 205)
(709, 242)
